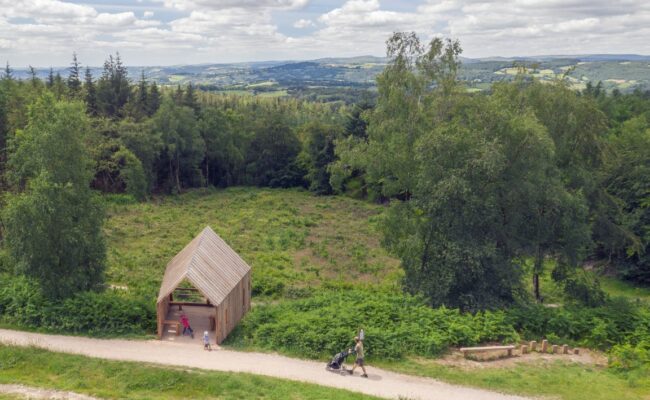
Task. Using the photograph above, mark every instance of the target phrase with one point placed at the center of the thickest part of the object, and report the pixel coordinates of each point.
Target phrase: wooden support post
(509, 352)
(533, 346)
(576, 351)
(524, 349)
(544, 345)
(565, 349)
(554, 348)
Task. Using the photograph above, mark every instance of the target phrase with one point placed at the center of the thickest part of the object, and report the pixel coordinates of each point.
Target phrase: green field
(121, 380)
(293, 240)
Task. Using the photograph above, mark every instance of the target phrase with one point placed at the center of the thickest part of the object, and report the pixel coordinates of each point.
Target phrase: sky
(45, 33)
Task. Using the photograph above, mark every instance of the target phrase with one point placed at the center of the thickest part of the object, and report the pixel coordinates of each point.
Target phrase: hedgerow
(395, 325)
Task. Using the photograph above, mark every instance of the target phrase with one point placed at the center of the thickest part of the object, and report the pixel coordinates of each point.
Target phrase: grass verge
(115, 379)
(559, 380)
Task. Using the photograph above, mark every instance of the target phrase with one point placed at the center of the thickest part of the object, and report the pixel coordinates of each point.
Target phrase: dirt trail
(380, 383)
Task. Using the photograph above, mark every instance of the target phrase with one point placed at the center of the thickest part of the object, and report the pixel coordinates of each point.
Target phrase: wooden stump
(544, 346)
(576, 351)
(524, 349)
(565, 349)
(554, 349)
(533, 346)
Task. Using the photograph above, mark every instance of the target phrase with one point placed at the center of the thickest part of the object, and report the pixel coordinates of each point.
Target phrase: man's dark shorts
(359, 362)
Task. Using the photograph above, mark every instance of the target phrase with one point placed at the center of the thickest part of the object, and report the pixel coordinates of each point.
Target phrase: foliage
(582, 287)
(107, 313)
(132, 174)
(628, 357)
(182, 146)
(480, 179)
(272, 155)
(395, 325)
(54, 225)
(616, 322)
(320, 153)
(628, 179)
(113, 89)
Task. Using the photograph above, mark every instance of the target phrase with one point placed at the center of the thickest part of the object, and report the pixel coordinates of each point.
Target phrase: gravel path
(381, 383)
(30, 392)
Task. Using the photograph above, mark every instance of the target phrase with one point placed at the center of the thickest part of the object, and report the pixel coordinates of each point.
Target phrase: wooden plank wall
(161, 312)
(233, 308)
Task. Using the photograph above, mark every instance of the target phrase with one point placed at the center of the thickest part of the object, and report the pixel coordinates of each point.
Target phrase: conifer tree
(190, 99)
(50, 78)
(91, 93)
(33, 77)
(153, 99)
(8, 72)
(74, 83)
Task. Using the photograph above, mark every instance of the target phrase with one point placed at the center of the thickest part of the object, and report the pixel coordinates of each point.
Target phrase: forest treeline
(481, 186)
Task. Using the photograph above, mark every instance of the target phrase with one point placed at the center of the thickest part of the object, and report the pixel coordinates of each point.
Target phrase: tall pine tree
(91, 93)
(74, 82)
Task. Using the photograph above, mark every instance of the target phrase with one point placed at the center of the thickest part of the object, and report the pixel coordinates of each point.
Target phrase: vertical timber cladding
(233, 308)
(162, 308)
(219, 274)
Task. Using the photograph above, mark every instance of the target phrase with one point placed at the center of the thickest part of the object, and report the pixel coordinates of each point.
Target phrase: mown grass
(292, 239)
(558, 380)
(121, 380)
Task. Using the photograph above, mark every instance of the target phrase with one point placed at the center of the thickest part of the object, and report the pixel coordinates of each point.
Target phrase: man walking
(358, 349)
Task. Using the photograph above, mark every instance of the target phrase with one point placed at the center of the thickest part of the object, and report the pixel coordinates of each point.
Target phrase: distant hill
(625, 72)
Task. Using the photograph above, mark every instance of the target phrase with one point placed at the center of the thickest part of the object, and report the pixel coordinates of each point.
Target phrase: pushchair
(336, 364)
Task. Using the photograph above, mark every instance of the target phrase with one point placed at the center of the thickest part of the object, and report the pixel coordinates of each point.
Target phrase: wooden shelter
(215, 271)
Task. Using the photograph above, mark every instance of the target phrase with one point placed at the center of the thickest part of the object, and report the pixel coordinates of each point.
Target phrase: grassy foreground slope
(557, 380)
(291, 238)
(121, 380)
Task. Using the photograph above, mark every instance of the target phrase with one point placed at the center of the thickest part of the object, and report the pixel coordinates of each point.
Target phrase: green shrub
(628, 357)
(395, 324)
(616, 322)
(107, 313)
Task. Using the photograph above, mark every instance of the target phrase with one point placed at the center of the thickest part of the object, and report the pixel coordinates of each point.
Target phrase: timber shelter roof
(209, 264)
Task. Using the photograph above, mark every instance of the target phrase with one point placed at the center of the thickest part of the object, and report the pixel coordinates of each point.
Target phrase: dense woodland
(479, 186)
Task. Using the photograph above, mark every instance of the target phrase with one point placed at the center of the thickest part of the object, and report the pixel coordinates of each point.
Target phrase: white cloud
(48, 31)
(303, 23)
(188, 5)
